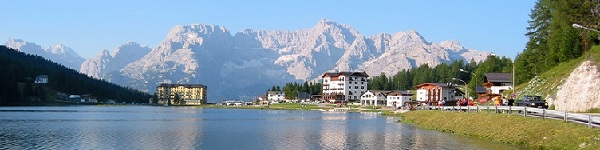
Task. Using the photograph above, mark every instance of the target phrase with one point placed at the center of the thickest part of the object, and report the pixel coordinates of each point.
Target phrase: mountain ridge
(251, 61)
(58, 53)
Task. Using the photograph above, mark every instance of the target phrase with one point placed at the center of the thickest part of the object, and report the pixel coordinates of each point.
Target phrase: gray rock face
(58, 53)
(106, 62)
(579, 91)
(251, 61)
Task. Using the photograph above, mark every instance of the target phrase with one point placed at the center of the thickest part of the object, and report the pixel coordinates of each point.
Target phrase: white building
(496, 83)
(275, 96)
(373, 98)
(397, 98)
(41, 79)
(434, 93)
(393, 99)
(344, 86)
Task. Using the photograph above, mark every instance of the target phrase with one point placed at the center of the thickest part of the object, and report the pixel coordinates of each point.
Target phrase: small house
(434, 93)
(496, 83)
(41, 79)
(275, 96)
(396, 99)
(373, 98)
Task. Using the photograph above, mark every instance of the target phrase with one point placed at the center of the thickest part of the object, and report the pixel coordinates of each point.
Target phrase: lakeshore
(535, 133)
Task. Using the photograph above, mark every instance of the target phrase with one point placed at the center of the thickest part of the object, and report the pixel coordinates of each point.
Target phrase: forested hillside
(553, 39)
(20, 69)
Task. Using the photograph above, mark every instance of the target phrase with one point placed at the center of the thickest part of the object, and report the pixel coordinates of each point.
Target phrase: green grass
(535, 133)
(593, 110)
(547, 83)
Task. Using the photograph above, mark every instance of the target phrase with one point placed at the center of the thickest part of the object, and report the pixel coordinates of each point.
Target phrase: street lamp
(577, 26)
(466, 88)
(474, 76)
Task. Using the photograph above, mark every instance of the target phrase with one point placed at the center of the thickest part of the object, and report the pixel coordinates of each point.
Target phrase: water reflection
(91, 127)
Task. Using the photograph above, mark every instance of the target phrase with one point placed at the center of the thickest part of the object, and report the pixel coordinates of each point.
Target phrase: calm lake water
(147, 127)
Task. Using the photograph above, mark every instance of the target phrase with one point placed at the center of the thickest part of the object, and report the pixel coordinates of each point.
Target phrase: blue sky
(93, 25)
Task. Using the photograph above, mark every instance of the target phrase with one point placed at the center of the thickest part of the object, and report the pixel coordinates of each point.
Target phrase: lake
(156, 127)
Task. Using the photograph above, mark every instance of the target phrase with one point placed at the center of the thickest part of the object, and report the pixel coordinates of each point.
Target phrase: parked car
(532, 101)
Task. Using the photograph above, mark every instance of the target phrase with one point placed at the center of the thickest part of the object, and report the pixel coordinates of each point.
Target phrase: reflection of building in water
(282, 137)
(333, 134)
(371, 135)
(188, 135)
(391, 134)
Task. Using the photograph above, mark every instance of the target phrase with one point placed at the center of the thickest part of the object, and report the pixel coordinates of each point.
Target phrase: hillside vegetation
(550, 82)
(19, 71)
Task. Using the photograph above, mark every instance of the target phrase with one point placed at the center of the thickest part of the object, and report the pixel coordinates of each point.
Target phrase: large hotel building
(344, 86)
(190, 94)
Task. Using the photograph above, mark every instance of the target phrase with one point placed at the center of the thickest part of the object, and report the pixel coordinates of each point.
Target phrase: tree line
(553, 37)
(20, 69)
(291, 89)
(408, 79)
(472, 74)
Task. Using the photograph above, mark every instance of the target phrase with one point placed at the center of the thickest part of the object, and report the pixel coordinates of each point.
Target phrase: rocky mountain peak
(129, 48)
(60, 53)
(60, 49)
(325, 22)
(185, 33)
(410, 36)
(14, 43)
(254, 60)
(452, 45)
(104, 53)
(24, 46)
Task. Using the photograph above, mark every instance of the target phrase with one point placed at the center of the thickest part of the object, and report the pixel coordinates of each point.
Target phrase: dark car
(532, 101)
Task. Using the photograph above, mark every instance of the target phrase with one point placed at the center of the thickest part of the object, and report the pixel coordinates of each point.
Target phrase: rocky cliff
(580, 91)
(251, 61)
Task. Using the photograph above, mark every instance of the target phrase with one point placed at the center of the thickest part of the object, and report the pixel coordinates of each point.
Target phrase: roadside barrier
(589, 120)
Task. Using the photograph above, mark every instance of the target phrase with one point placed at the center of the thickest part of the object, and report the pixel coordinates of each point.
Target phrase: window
(355, 87)
(362, 87)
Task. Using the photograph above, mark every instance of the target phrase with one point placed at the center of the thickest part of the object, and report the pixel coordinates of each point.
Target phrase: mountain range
(249, 62)
(58, 53)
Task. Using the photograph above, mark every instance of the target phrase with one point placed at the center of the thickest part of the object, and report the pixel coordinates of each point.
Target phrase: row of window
(355, 97)
(356, 87)
(351, 79)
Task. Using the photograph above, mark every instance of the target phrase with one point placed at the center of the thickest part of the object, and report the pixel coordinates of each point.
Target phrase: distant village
(343, 88)
(350, 88)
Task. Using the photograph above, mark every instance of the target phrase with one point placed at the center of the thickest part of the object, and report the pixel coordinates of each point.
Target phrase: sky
(91, 26)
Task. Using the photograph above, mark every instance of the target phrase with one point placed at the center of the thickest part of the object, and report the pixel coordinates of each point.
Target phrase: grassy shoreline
(535, 133)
